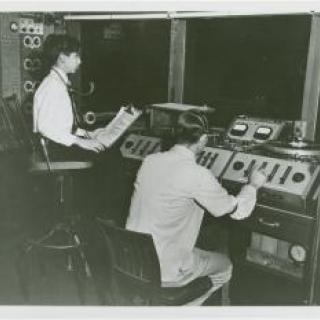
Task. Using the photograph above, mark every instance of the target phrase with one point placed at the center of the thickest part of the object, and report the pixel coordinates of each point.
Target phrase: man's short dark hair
(55, 44)
(191, 125)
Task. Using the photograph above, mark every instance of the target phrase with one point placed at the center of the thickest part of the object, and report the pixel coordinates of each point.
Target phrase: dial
(297, 253)
(298, 177)
(129, 144)
(238, 165)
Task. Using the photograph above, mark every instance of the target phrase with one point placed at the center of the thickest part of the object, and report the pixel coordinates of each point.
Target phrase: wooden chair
(134, 272)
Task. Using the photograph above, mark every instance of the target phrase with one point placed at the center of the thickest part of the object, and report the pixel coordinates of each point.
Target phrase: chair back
(135, 268)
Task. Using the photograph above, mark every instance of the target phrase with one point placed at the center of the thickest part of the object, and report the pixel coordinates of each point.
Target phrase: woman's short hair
(191, 125)
(55, 44)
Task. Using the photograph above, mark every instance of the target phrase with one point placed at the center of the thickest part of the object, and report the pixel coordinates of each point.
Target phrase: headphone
(203, 120)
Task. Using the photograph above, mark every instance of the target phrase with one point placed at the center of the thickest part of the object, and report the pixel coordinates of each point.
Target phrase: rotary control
(298, 177)
(129, 144)
(238, 165)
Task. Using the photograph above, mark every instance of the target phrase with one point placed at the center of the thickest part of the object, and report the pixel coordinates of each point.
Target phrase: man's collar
(183, 150)
(62, 74)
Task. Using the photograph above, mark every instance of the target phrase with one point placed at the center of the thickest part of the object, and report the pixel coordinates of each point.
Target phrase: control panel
(137, 146)
(276, 254)
(245, 129)
(289, 182)
(214, 159)
(31, 35)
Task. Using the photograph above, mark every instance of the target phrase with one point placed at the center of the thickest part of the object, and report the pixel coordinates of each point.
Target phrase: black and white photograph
(160, 157)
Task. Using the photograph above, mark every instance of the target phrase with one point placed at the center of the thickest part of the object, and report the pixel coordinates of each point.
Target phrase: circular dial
(238, 165)
(297, 253)
(129, 144)
(298, 177)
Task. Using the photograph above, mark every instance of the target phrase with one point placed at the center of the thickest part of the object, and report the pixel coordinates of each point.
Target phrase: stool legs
(77, 263)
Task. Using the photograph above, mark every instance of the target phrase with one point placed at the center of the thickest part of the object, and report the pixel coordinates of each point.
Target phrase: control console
(214, 159)
(137, 146)
(289, 183)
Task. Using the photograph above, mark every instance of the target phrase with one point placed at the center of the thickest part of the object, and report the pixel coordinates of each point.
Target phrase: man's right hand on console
(257, 178)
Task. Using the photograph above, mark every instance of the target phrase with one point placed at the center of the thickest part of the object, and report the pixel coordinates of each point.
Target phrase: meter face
(262, 133)
(239, 129)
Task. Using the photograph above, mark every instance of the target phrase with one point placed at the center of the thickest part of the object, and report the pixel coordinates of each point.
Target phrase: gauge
(263, 133)
(297, 253)
(239, 129)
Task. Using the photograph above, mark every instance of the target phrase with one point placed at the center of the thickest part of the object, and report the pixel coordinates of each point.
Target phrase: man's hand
(93, 134)
(89, 144)
(257, 178)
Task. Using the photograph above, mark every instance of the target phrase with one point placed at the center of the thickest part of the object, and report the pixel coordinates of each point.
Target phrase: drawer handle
(269, 224)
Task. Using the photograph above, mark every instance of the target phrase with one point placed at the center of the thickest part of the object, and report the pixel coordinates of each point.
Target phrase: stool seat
(59, 166)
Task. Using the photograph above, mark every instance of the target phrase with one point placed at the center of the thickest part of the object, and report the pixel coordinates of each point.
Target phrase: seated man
(171, 193)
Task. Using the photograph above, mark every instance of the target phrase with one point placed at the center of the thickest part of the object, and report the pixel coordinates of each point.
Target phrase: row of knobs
(134, 148)
(296, 177)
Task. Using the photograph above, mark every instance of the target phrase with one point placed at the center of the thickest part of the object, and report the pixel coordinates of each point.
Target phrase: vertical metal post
(314, 269)
(311, 92)
(177, 60)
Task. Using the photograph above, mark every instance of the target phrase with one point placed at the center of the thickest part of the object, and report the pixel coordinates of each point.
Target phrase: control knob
(298, 177)
(129, 144)
(238, 165)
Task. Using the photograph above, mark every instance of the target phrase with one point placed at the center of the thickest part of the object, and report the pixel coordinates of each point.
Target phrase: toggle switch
(249, 169)
(273, 172)
(201, 154)
(154, 148)
(135, 148)
(264, 165)
(145, 148)
(285, 175)
(206, 158)
(212, 160)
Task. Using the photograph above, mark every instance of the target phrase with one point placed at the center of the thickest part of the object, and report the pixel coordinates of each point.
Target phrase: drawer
(281, 224)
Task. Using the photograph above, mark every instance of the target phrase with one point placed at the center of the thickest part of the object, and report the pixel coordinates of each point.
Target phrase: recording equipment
(282, 223)
(245, 132)
(163, 115)
(305, 150)
(250, 129)
(278, 255)
(290, 184)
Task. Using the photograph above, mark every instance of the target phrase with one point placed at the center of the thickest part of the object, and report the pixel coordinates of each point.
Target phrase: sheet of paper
(119, 124)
